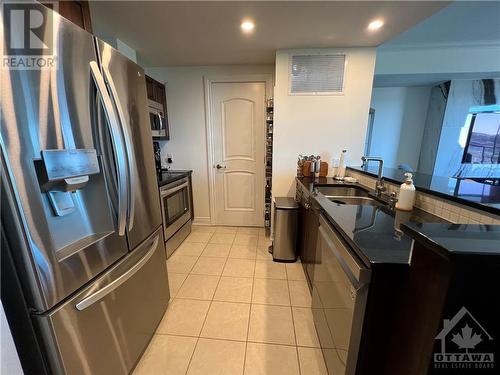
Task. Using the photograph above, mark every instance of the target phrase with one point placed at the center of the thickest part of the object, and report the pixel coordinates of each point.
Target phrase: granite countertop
(457, 239)
(370, 230)
(472, 193)
(168, 176)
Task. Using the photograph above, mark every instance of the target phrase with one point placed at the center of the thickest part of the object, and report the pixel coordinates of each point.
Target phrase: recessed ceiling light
(375, 25)
(247, 26)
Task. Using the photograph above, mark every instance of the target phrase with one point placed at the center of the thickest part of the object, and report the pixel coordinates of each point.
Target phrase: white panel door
(238, 120)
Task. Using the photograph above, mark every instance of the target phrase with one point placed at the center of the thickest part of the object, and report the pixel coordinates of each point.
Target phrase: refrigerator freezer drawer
(105, 328)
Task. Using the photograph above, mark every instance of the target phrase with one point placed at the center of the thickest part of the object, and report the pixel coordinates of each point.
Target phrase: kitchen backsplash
(446, 209)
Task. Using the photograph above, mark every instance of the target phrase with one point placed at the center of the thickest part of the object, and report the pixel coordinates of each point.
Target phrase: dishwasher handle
(357, 272)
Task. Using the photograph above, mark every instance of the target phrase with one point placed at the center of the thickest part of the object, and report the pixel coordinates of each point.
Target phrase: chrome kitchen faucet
(379, 187)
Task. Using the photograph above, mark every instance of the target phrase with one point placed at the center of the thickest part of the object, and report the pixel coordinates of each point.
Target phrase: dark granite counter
(167, 176)
(478, 195)
(457, 239)
(370, 230)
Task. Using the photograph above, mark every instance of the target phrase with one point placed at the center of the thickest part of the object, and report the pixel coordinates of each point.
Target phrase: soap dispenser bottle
(406, 194)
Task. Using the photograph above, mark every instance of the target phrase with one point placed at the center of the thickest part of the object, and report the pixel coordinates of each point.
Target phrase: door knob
(218, 166)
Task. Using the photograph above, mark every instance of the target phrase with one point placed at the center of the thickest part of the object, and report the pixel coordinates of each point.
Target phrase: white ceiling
(167, 33)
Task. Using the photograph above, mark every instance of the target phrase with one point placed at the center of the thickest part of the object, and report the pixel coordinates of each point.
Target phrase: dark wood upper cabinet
(150, 88)
(157, 93)
(76, 11)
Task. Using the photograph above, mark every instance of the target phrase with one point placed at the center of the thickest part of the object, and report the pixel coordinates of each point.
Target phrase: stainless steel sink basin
(364, 201)
(341, 191)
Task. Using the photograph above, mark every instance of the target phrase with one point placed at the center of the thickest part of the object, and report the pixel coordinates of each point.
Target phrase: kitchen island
(357, 259)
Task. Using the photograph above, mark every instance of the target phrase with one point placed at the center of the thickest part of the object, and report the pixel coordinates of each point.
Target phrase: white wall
(320, 124)
(456, 59)
(121, 46)
(186, 116)
(126, 50)
(399, 123)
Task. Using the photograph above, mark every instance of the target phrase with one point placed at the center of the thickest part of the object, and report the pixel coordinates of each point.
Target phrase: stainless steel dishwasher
(340, 290)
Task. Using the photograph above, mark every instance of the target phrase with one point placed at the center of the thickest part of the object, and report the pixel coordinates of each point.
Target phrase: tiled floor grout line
(198, 338)
(189, 273)
(212, 299)
(249, 315)
(293, 321)
(250, 310)
(234, 340)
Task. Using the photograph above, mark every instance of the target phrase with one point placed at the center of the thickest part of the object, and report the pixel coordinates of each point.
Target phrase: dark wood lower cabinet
(438, 287)
(308, 232)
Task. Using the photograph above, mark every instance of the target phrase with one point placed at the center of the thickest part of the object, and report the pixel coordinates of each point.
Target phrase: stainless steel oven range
(177, 212)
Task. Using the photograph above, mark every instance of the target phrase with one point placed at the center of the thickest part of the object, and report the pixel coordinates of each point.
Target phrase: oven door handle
(175, 189)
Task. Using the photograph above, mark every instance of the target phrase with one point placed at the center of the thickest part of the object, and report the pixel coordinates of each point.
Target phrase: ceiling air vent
(317, 74)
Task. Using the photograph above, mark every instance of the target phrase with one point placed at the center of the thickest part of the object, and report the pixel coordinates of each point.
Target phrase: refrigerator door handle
(101, 293)
(128, 145)
(118, 146)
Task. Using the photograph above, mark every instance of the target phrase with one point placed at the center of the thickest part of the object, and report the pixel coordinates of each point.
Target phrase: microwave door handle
(129, 148)
(118, 146)
(161, 121)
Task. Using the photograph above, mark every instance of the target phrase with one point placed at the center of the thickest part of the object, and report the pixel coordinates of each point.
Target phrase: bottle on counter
(317, 166)
(406, 194)
(341, 169)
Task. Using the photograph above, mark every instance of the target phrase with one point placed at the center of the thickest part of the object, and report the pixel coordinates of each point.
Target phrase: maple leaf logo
(466, 340)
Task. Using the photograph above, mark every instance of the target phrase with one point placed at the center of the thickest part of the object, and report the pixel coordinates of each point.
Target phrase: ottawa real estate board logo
(464, 344)
(29, 37)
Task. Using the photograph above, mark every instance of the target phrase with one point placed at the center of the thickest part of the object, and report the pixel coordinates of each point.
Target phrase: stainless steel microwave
(157, 119)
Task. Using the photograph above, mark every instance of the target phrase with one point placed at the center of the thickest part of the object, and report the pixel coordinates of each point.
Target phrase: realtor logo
(28, 36)
(463, 341)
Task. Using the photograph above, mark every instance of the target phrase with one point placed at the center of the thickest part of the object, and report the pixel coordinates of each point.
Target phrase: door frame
(267, 79)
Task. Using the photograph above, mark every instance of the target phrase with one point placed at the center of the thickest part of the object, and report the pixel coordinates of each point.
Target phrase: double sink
(349, 195)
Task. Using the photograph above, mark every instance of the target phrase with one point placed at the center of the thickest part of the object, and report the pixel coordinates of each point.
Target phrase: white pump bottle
(406, 194)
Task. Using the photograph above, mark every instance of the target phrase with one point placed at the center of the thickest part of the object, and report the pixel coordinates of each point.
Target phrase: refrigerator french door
(77, 208)
(126, 82)
(70, 237)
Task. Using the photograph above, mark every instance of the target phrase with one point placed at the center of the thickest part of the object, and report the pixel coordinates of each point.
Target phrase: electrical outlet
(170, 159)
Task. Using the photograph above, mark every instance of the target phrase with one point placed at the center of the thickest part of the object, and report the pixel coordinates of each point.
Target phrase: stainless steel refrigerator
(80, 212)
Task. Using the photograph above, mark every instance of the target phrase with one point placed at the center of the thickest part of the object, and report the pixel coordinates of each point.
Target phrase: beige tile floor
(234, 311)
